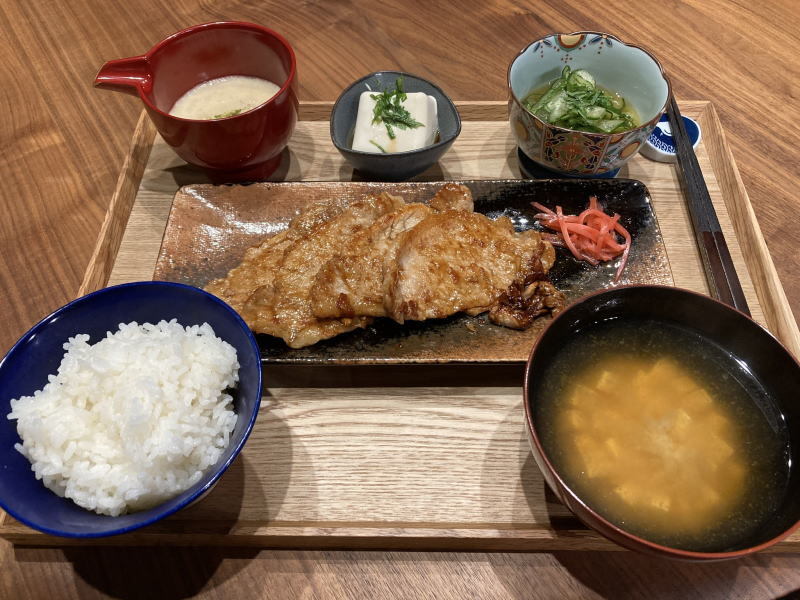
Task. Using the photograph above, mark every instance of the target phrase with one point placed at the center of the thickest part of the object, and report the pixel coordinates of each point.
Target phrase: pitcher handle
(129, 75)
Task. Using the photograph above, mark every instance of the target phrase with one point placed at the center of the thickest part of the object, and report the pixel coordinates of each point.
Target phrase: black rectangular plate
(210, 227)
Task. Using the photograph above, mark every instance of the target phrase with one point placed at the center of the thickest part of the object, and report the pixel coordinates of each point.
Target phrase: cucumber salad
(575, 101)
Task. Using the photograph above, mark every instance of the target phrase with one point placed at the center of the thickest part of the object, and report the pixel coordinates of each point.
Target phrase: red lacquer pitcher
(245, 147)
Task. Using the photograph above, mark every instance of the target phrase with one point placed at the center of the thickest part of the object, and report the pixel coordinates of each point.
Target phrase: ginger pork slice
(456, 261)
(353, 282)
(453, 196)
(259, 263)
(282, 307)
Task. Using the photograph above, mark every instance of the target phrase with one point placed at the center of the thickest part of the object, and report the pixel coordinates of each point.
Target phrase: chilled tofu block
(374, 137)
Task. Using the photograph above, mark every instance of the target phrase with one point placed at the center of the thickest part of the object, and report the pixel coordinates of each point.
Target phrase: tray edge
(768, 287)
(119, 209)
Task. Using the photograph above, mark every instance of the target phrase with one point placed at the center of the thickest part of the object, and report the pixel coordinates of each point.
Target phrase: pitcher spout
(129, 75)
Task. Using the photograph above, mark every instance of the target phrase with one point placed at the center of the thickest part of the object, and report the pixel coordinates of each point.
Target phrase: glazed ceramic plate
(210, 227)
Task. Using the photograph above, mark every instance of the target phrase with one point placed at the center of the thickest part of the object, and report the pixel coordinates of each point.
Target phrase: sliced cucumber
(576, 102)
(609, 125)
(580, 80)
(554, 90)
(595, 112)
(557, 107)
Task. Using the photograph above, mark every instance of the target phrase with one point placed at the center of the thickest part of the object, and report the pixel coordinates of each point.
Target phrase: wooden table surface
(63, 144)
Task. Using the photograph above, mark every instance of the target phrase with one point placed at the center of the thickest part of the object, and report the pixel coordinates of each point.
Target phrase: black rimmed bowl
(761, 356)
(396, 166)
(38, 353)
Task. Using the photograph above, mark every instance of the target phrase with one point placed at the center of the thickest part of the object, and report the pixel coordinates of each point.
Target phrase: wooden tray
(423, 457)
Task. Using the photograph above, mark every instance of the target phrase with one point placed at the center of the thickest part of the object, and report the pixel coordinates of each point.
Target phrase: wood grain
(64, 147)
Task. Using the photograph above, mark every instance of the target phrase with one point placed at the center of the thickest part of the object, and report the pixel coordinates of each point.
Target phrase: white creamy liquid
(218, 98)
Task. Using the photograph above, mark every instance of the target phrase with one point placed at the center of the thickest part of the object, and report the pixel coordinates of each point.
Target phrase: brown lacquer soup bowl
(746, 355)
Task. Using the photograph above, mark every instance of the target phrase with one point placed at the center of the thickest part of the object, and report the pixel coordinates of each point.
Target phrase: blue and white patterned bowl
(624, 68)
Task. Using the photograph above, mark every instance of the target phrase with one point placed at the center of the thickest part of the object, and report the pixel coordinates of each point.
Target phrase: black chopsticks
(720, 272)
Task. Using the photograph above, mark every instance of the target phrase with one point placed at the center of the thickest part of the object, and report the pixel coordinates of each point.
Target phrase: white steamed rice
(132, 420)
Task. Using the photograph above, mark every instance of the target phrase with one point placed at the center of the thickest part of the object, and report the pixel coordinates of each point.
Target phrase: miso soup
(664, 434)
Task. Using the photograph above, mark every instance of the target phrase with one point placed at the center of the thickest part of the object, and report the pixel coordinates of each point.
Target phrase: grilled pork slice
(525, 300)
(354, 282)
(282, 307)
(453, 196)
(260, 262)
(456, 261)
(337, 266)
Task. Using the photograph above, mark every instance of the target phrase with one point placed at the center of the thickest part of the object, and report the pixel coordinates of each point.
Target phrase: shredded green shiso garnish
(230, 113)
(574, 101)
(378, 146)
(390, 111)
